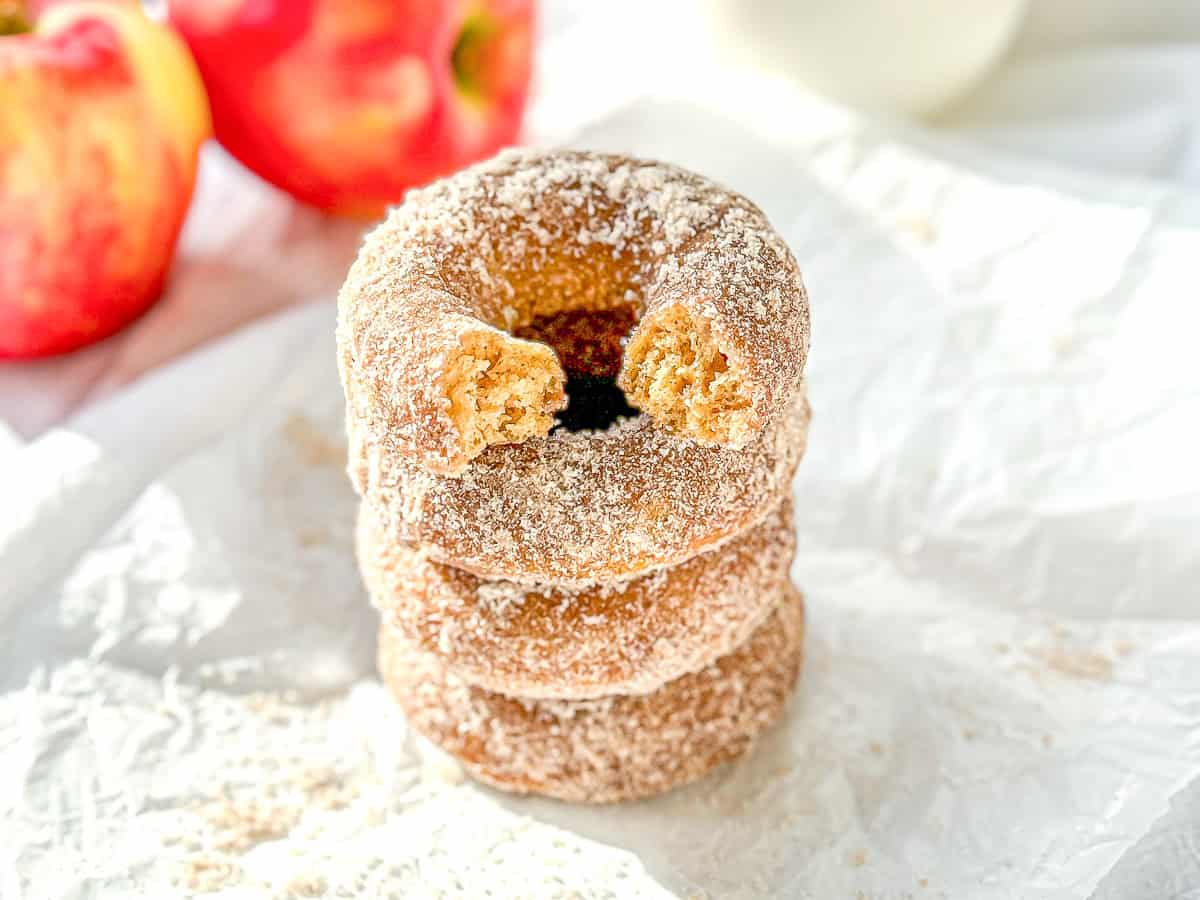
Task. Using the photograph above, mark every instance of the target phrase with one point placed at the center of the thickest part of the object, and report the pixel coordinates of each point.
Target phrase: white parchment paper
(997, 526)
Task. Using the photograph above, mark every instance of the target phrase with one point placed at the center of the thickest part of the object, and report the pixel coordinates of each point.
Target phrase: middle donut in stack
(594, 614)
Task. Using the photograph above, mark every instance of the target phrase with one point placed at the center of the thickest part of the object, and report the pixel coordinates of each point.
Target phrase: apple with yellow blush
(346, 104)
(102, 115)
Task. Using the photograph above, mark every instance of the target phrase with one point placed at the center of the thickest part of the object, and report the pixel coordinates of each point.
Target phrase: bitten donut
(578, 507)
(432, 371)
(610, 749)
(546, 641)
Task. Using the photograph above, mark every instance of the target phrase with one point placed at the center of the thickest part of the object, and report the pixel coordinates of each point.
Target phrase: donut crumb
(501, 391)
(675, 372)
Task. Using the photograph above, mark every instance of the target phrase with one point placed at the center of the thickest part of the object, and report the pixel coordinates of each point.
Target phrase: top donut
(426, 316)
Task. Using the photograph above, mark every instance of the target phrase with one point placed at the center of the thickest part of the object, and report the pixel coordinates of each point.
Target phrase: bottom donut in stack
(606, 749)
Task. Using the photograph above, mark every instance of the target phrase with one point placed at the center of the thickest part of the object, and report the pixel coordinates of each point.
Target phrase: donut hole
(593, 404)
(588, 344)
(676, 372)
(501, 390)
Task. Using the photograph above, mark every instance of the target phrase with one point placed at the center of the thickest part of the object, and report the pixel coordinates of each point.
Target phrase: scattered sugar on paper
(311, 443)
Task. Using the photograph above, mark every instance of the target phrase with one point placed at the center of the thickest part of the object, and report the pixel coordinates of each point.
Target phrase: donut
(545, 641)
(578, 507)
(433, 371)
(608, 749)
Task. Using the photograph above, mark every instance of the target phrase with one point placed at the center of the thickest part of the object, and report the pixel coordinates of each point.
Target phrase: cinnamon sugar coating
(581, 507)
(547, 641)
(608, 749)
(432, 371)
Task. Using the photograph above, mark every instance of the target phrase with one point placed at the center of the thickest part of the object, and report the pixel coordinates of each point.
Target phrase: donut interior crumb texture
(675, 371)
(501, 391)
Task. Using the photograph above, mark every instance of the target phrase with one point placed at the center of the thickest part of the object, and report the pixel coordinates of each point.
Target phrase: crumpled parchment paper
(997, 523)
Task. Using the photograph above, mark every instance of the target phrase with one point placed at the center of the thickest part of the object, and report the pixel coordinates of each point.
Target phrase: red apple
(346, 104)
(102, 115)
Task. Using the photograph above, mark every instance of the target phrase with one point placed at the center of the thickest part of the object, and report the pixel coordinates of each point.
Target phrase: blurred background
(90, 200)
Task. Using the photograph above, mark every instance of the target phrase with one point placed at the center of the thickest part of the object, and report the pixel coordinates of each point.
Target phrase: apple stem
(12, 17)
(466, 58)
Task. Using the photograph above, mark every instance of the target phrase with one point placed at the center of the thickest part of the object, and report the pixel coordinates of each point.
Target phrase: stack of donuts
(575, 405)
